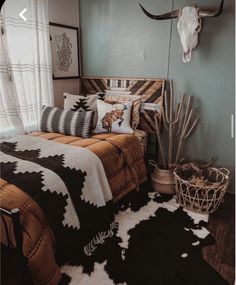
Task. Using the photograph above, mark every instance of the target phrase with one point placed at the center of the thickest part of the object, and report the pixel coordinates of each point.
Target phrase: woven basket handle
(224, 171)
(153, 163)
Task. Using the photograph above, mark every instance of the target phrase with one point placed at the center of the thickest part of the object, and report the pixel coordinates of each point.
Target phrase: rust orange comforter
(123, 162)
(120, 154)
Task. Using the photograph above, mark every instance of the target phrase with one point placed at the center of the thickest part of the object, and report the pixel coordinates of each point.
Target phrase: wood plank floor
(221, 256)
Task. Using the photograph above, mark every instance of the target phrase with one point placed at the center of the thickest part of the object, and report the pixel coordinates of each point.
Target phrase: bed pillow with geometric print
(66, 122)
(84, 103)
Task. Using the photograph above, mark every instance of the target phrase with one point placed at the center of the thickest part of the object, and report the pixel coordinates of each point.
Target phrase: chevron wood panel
(150, 90)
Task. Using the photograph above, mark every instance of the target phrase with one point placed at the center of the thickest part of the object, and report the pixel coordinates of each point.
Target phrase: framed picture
(65, 51)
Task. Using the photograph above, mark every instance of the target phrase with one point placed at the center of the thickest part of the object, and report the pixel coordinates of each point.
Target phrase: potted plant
(179, 123)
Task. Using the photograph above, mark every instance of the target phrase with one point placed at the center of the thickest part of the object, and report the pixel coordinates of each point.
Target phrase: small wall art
(65, 51)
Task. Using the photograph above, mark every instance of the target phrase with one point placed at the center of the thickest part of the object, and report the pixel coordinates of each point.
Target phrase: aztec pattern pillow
(136, 100)
(66, 122)
(85, 103)
(114, 118)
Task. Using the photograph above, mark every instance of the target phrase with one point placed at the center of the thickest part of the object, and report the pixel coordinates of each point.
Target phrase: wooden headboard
(151, 90)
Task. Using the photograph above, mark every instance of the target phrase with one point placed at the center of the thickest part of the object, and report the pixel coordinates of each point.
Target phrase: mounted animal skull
(189, 25)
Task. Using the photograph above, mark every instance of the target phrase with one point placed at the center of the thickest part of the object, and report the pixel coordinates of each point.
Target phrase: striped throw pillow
(66, 122)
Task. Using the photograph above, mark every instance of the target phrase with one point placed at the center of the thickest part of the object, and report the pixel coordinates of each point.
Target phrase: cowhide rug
(157, 243)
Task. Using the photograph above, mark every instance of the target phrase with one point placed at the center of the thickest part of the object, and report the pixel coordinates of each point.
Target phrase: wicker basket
(202, 199)
(162, 179)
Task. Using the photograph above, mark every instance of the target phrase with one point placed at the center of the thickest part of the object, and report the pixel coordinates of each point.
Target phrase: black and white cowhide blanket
(70, 186)
(157, 243)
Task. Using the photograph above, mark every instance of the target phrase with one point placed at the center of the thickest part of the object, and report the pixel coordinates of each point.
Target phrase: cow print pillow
(114, 118)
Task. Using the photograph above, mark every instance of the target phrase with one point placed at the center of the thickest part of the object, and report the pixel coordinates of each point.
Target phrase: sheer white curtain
(25, 66)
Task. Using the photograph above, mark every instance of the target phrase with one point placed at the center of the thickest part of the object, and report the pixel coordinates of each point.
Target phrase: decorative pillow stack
(114, 117)
(115, 97)
(85, 103)
(66, 121)
(123, 108)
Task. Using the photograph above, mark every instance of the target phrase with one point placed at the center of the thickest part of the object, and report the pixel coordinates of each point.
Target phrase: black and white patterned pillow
(66, 122)
(85, 103)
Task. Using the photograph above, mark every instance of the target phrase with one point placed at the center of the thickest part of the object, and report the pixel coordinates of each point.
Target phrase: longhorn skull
(189, 25)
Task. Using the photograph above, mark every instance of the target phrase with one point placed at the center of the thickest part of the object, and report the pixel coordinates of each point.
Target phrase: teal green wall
(119, 40)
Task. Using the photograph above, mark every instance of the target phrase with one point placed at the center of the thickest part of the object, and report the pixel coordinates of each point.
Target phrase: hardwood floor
(221, 256)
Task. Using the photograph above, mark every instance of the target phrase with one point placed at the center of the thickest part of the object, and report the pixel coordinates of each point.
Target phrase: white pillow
(80, 102)
(120, 98)
(114, 118)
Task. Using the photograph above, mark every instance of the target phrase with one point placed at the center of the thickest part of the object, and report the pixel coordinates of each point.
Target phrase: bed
(120, 154)
(121, 157)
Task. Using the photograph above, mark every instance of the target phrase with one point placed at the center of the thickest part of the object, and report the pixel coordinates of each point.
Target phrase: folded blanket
(120, 154)
(70, 186)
